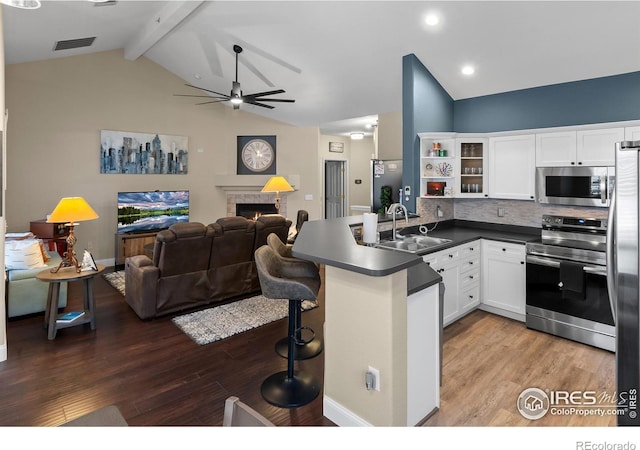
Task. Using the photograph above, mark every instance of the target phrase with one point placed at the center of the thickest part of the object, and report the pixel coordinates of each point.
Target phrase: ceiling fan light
(235, 100)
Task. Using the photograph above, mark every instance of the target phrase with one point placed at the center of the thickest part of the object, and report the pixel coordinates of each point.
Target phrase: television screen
(140, 212)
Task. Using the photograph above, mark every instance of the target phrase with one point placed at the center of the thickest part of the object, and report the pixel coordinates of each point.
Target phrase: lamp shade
(277, 184)
(72, 209)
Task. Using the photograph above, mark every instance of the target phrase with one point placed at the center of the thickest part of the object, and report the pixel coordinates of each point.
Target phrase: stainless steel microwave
(578, 186)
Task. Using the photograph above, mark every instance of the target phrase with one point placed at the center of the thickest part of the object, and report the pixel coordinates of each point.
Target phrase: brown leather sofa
(195, 265)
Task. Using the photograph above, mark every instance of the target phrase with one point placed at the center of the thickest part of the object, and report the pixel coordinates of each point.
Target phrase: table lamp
(277, 184)
(71, 210)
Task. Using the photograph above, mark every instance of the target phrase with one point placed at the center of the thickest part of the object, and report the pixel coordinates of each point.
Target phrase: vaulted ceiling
(342, 60)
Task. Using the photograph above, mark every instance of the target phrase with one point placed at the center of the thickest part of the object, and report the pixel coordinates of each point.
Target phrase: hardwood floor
(157, 376)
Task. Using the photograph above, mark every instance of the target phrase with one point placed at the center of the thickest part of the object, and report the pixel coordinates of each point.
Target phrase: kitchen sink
(413, 243)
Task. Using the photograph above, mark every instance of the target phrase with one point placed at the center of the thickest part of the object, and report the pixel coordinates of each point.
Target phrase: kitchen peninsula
(382, 312)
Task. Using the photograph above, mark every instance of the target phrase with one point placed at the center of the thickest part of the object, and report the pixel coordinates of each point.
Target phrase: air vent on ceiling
(74, 43)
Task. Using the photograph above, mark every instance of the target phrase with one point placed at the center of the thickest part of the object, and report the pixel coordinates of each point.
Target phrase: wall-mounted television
(141, 212)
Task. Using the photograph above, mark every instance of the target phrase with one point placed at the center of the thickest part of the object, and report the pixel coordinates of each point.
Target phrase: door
(334, 189)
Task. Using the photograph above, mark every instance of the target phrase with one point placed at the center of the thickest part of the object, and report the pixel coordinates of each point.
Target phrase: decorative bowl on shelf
(444, 169)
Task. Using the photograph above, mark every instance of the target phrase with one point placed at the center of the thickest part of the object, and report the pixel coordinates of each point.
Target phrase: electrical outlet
(372, 379)
(500, 212)
(439, 211)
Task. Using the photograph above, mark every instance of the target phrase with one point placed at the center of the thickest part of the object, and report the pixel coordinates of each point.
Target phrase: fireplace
(235, 199)
(254, 210)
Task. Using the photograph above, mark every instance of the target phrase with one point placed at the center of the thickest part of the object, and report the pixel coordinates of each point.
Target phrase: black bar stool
(278, 279)
(304, 348)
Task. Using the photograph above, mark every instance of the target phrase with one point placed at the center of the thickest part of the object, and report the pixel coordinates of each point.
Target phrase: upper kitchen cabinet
(512, 161)
(578, 148)
(632, 134)
(473, 162)
(598, 147)
(437, 164)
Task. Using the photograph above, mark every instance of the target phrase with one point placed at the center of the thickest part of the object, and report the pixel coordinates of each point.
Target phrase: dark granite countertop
(331, 242)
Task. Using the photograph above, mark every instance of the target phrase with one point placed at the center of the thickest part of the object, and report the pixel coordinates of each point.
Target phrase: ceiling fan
(236, 97)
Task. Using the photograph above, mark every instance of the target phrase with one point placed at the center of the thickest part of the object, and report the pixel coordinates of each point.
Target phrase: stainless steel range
(567, 281)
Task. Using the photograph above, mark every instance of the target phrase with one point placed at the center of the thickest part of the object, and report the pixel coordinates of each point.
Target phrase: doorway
(335, 197)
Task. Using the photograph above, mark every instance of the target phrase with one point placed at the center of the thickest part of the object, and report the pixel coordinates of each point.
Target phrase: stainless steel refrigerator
(386, 182)
(622, 278)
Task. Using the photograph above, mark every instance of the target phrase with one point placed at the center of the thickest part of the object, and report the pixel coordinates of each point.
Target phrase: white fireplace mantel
(249, 182)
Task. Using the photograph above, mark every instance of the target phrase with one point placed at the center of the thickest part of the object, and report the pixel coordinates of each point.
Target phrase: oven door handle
(603, 189)
(594, 270)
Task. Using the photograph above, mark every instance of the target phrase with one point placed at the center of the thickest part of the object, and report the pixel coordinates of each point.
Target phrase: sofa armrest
(141, 281)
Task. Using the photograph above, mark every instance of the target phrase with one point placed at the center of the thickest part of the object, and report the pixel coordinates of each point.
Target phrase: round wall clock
(256, 155)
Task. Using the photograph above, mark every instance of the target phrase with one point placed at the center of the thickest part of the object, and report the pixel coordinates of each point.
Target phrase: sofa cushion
(25, 274)
(23, 254)
(184, 248)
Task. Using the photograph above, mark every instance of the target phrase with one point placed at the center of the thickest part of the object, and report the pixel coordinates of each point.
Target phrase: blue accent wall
(608, 99)
(426, 107)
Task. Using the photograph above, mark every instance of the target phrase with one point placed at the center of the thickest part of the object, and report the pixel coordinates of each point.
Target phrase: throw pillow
(24, 254)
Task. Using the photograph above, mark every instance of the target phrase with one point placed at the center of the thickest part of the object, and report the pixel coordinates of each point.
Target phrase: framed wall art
(143, 153)
(336, 147)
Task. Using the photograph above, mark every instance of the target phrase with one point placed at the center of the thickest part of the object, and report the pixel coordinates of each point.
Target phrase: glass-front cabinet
(471, 178)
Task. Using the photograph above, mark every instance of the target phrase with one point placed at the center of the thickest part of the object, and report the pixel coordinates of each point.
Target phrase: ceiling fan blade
(282, 100)
(213, 101)
(262, 94)
(253, 102)
(207, 90)
(199, 96)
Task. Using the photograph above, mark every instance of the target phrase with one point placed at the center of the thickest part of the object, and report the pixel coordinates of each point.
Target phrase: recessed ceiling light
(432, 20)
(468, 70)
(357, 136)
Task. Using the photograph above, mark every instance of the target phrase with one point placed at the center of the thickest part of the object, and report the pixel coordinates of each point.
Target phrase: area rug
(115, 279)
(213, 324)
(220, 322)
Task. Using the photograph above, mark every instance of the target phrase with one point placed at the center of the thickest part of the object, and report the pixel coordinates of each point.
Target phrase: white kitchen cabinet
(437, 164)
(556, 149)
(503, 278)
(592, 148)
(598, 147)
(473, 159)
(632, 134)
(459, 268)
(512, 162)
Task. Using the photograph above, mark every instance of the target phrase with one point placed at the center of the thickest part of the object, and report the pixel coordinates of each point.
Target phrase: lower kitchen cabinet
(503, 278)
(459, 268)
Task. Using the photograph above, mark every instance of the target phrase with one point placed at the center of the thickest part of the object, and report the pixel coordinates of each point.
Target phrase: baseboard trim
(502, 312)
(3, 352)
(340, 415)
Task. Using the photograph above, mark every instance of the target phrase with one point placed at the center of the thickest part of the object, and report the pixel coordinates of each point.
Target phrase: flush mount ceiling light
(468, 70)
(22, 4)
(357, 136)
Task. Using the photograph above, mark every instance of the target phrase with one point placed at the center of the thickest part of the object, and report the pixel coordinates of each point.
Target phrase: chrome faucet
(392, 210)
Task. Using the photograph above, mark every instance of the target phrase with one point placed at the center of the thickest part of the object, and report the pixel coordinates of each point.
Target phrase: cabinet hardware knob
(471, 296)
(471, 263)
(579, 163)
(572, 163)
(450, 256)
(471, 248)
(521, 262)
(471, 276)
(504, 249)
(560, 285)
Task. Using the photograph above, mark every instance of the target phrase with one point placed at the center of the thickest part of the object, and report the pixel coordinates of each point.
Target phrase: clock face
(257, 155)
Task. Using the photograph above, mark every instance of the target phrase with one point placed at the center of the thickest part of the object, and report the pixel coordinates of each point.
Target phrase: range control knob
(558, 220)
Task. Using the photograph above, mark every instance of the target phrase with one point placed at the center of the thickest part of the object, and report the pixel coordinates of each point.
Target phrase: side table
(68, 274)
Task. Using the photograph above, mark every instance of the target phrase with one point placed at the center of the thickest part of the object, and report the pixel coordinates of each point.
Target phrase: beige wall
(58, 107)
(390, 135)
